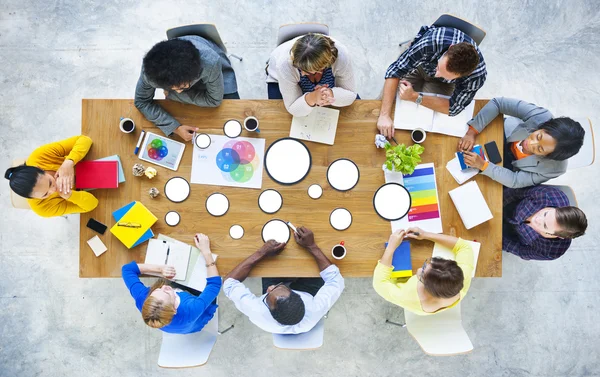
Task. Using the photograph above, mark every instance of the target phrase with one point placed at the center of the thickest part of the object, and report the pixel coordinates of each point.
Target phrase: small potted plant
(401, 159)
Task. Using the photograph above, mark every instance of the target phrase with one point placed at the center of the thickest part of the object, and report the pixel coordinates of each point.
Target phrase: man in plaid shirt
(539, 223)
(440, 60)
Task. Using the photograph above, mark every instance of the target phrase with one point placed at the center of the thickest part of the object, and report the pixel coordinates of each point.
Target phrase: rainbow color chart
(425, 208)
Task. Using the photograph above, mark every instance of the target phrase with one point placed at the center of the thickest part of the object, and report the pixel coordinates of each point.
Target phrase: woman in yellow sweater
(440, 284)
(48, 175)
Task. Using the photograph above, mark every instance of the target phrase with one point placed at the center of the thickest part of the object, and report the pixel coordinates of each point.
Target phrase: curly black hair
(172, 63)
(289, 310)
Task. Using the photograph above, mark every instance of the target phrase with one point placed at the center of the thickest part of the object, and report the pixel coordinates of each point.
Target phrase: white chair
(189, 350)
(310, 340)
(18, 201)
(587, 153)
(291, 31)
(206, 31)
(440, 334)
(568, 191)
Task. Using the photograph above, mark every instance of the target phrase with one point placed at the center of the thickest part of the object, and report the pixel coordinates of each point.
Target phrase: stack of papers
(470, 204)
(461, 176)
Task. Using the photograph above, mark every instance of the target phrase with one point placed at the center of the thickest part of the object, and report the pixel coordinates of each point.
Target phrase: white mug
(246, 122)
(413, 137)
(123, 121)
(342, 247)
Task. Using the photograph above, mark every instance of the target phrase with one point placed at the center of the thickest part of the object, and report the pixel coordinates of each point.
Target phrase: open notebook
(167, 253)
(446, 253)
(196, 268)
(409, 115)
(319, 126)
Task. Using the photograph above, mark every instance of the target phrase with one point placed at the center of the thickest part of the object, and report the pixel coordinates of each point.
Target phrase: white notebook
(318, 126)
(408, 116)
(443, 252)
(170, 254)
(460, 176)
(470, 204)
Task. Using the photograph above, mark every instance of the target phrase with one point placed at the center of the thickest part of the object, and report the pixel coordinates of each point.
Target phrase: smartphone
(96, 226)
(492, 151)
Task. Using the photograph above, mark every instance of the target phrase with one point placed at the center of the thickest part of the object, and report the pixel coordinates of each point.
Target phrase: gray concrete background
(539, 319)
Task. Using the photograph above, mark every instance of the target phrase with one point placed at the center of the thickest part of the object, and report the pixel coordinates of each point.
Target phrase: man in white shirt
(282, 309)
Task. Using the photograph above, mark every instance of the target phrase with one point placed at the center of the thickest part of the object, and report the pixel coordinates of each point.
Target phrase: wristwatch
(211, 264)
(419, 99)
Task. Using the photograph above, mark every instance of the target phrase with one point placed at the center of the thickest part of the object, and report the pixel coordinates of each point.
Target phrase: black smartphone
(492, 151)
(96, 226)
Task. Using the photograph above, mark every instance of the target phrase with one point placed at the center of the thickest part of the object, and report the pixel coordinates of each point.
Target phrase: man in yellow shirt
(48, 175)
(440, 284)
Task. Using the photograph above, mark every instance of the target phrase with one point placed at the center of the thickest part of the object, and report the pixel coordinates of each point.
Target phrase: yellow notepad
(137, 215)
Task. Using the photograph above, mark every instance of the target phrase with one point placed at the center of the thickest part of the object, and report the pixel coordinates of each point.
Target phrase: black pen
(395, 141)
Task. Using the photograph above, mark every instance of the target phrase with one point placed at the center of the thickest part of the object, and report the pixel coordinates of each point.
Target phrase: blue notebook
(401, 261)
(118, 214)
(461, 159)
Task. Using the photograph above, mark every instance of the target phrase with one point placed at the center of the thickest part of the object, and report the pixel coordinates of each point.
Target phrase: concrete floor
(539, 319)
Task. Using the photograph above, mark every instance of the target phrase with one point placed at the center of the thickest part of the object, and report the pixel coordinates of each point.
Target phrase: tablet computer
(162, 151)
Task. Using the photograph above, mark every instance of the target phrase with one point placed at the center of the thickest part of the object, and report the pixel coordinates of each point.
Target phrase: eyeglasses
(420, 277)
(268, 293)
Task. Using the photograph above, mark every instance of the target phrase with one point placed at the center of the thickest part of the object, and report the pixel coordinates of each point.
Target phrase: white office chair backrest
(439, 334)
(470, 29)
(17, 201)
(587, 153)
(309, 340)
(206, 31)
(291, 31)
(188, 350)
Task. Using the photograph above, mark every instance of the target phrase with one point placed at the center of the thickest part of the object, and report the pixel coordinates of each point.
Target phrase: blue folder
(401, 261)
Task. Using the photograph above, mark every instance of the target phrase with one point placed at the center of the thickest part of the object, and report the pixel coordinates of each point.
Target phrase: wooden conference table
(354, 140)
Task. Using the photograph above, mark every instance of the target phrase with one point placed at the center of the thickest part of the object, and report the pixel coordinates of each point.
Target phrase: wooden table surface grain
(354, 140)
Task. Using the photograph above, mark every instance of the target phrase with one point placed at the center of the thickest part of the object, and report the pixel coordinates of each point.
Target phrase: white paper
(198, 279)
(229, 162)
(461, 176)
(409, 115)
(456, 125)
(156, 252)
(319, 126)
(443, 252)
(97, 245)
(470, 204)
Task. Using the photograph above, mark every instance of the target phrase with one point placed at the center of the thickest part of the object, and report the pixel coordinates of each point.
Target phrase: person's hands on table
(271, 248)
(65, 178)
(396, 239)
(168, 272)
(406, 91)
(473, 160)
(415, 233)
(202, 243)
(304, 237)
(468, 141)
(186, 132)
(385, 125)
(321, 96)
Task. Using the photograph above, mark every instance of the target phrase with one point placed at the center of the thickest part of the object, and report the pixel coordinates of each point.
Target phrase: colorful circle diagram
(237, 161)
(157, 150)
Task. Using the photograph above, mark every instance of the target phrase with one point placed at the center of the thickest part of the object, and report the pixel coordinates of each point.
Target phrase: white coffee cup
(338, 251)
(251, 119)
(127, 125)
(412, 135)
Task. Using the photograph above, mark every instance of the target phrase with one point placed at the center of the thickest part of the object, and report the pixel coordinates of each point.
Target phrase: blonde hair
(157, 313)
(313, 52)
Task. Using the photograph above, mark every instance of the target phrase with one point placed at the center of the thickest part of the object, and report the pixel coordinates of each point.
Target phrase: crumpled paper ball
(380, 141)
(138, 170)
(153, 192)
(150, 172)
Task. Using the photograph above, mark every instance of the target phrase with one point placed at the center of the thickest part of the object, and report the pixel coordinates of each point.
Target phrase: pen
(139, 143)
(168, 251)
(292, 226)
(395, 141)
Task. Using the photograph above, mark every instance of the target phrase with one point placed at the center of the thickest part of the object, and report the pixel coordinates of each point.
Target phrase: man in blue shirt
(284, 309)
(440, 60)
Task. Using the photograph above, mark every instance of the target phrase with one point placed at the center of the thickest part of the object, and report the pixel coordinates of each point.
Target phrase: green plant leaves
(403, 159)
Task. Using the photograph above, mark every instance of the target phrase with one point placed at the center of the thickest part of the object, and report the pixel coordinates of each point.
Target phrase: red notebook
(96, 174)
